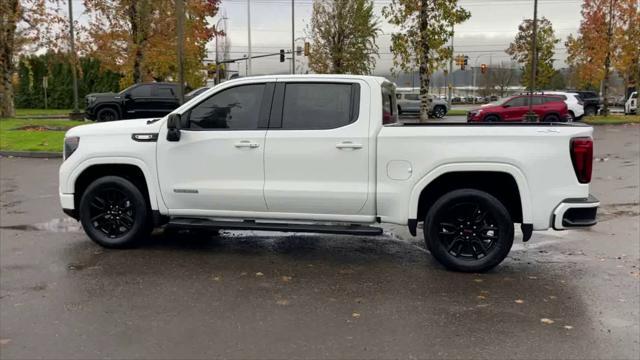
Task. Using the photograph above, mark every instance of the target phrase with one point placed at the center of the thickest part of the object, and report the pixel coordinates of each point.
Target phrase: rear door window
(164, 92)
(319, 106)
(413, 97)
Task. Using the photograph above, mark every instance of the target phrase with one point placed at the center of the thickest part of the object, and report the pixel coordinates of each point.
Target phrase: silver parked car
(408, 100)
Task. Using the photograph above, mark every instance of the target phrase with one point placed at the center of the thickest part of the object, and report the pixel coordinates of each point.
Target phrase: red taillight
(582, 158)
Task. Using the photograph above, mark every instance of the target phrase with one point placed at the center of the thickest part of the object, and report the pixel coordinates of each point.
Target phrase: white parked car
(314, 153)
(408, 101)
(631, 106)
(574, 102)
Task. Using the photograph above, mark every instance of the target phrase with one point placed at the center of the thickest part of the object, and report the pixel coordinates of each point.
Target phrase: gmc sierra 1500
(325, 153)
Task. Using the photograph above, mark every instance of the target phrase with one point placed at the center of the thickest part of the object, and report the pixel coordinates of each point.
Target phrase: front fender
(69, 185)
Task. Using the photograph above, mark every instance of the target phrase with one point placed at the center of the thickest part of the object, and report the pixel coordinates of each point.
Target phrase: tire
(439, 112)
(107, 114)
(114, 213)
(572, 117)
(552, 118)
(590, 111)
(451, 231)
(491, 118)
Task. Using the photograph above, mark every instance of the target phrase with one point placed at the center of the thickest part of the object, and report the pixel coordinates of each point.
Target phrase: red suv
(549, 108)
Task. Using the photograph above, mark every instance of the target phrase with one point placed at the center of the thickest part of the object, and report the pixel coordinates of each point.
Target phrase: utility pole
(180, 30)
(249, 37)
(450, 75)
(75, 114)
(293, 38)
(607, 63)
(531, 116)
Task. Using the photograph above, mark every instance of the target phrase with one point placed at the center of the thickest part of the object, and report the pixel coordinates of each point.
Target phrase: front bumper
(573, 213)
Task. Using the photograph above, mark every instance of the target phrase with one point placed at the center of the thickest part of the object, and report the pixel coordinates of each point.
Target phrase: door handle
(246, 144)
(348, 145)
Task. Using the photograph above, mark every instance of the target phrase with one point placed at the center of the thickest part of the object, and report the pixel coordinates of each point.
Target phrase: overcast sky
(492, 26)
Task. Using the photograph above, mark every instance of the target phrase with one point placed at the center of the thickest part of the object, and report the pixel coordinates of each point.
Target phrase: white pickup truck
(325, 154)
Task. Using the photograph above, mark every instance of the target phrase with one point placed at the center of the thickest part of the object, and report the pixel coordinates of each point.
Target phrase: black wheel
(439, 112)
(107, 114)
(492, 118)
(114, 213)
(572, 117)
(590, 111)
(468, 230)
(551, 118)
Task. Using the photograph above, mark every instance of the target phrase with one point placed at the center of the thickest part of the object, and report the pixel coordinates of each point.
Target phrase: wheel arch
(504, 181)
(132, 169)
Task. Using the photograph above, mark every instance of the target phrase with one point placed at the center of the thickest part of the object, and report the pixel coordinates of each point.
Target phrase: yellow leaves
(519, 301)
(547, 321)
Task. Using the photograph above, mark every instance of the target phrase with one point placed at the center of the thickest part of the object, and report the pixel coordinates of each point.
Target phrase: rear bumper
(572, 213)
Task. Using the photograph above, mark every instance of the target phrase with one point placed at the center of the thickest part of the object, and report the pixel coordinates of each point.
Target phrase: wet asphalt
(572, 294)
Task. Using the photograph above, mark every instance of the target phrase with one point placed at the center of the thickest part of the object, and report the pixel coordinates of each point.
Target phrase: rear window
(550, 99)
(389, 106)
(318, 106)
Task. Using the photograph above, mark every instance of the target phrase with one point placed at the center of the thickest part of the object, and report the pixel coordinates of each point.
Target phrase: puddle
(55, 225)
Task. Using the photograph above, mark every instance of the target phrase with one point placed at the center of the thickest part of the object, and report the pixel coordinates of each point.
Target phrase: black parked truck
(137, 101)
(592, 101)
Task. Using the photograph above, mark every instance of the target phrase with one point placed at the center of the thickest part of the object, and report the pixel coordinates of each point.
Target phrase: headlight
(91, 99)
(70, 145)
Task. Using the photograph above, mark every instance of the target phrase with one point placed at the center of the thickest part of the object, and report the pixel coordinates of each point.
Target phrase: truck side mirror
(127, 96)
(173, 125)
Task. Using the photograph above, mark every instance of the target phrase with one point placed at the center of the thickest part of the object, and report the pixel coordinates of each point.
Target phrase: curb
(32, 154)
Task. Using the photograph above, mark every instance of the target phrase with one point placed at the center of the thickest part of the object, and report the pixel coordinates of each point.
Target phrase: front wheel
(107, 114)
(114, 212)
(468, 230)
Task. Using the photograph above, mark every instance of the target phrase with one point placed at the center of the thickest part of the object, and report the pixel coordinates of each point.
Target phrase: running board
(362, 230)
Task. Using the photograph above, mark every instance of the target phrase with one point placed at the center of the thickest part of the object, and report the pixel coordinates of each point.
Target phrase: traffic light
(281, 55)
(484, 68)
(307, 48)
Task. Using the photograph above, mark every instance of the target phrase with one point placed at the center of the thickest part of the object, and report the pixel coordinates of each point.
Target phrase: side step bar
(362, 230)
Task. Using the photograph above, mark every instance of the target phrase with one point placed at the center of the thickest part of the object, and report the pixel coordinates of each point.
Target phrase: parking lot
(572, 294)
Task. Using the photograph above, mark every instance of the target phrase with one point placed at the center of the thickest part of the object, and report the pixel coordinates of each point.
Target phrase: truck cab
(326, 153)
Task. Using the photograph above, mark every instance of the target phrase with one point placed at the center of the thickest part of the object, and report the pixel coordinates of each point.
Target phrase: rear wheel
(439, 111)
(590, 111)
(114, 213)
(107, 114)
(468, 230)
(551, 118)
(572, 117)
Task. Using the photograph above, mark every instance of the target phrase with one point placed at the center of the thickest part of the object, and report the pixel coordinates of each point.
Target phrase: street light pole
(180, 31)
(293, 38)
(73, 57)
(249, 37)
(450, 75)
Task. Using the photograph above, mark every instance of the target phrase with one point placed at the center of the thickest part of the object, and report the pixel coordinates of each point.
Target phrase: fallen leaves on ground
(568, 327)
(259, 274)
(546, 321)
(355, 315)
(478, 280)
(286, 278)
(5, 341)
(282, 302)
(519, 301)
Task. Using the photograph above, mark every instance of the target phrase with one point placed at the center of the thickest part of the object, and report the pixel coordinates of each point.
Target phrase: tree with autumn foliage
(425, 27)
(137, 38)
(521, 51)
(343, 37)
(25, 25)
(608, 38)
